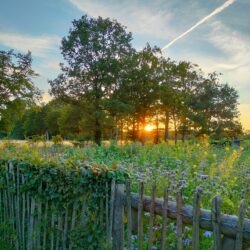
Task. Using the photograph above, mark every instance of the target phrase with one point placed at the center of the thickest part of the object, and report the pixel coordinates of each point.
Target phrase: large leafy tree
(94, 52)
(140, 88)
(11, 115)
(16, 75)
(215, 108)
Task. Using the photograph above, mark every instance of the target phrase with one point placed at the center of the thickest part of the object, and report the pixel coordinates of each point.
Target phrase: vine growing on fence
(69, 202)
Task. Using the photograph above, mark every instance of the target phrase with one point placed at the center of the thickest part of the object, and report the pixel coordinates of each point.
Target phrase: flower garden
(191, 166)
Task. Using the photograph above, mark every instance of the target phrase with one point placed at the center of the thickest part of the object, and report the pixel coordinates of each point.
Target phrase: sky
(221, 43)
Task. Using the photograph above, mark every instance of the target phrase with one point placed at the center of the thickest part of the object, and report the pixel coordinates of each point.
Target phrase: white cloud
(38, 45)
(140, 18)
(233, 43)
(54, 65)
(235, 47)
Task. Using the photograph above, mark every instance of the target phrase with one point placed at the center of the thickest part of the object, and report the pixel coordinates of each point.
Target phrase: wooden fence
(43, 225)
(28, 222)
(230, 232)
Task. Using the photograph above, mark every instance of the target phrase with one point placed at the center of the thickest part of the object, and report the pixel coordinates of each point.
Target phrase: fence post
(134, 215)
(129, 215)
(140, 217)
(196, 220)
(216, 221)
(118, 226)
(240, 226)
(228, 243)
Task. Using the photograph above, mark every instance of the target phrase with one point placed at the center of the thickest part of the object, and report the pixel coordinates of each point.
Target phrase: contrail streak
(216, 11)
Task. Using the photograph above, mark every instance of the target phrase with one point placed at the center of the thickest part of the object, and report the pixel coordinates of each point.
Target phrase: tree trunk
(157, 129)
(175, 130)
(184, 130)
(98, 132)
(133, 131)
(143, 130)
(166, 134)
(121, 132)
(116, 130)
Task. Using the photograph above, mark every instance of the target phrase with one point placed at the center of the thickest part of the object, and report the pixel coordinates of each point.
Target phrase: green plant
(57, 140)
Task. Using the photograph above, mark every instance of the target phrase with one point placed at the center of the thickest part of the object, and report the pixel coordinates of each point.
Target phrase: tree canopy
(16, 76)
(109, 90)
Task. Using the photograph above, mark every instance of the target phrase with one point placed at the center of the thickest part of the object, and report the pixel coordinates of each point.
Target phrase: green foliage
(71, 172)
(57, 140)
(16, 77)
(93, 50)
(109, 91)
(62, 183)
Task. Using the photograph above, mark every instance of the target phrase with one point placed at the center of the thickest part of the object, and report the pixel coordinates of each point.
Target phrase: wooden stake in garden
(216, 220)
(240, 226)
(196, 220)
(129, 215)
(140, 217)
(164, 219)
(179, 220)
(152, 217)
(111, 215)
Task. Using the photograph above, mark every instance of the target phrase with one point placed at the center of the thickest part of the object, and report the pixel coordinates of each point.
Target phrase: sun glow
(149, 127)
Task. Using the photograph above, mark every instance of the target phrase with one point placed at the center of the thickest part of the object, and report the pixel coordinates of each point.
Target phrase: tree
(13, 112)
(215, 108)
(140, 87)
(16, 76)
(34, 121)
(94, 50)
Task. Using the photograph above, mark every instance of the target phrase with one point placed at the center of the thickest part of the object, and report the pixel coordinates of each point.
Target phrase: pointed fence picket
(42, 225)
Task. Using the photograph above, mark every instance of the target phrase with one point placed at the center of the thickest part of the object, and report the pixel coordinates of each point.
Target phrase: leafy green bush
(57, 140)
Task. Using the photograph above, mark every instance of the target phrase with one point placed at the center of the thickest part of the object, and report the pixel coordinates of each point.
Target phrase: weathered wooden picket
(44, 225)
(29, 223)
(229, 231)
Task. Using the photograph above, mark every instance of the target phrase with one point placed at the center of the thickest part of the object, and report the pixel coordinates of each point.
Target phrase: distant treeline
(109, 90)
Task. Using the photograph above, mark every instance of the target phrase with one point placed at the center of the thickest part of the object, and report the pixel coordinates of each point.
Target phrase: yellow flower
(195, 166)
(227, 148)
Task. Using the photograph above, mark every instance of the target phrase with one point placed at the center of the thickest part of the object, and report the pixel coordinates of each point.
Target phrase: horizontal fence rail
(230, 232)
(229, 223)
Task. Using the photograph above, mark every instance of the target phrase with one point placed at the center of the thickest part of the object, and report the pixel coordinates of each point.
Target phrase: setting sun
(149, 128)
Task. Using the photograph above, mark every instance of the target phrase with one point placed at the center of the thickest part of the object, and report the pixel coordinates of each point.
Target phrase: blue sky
(220, 44)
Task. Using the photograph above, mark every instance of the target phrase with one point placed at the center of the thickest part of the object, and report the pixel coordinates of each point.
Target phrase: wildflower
(207, 234)
(204, 177)
(195, 166)
(187, 242)
(134, 237)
